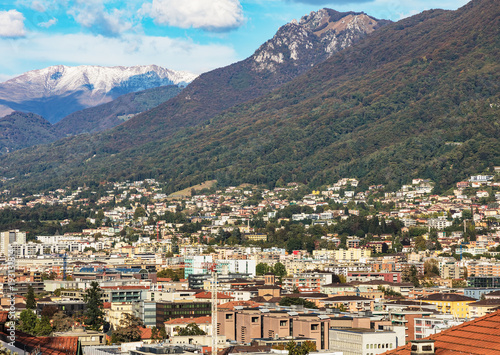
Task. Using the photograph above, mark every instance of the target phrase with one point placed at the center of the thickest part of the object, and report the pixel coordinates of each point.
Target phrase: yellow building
(450, 303)
(483, 307)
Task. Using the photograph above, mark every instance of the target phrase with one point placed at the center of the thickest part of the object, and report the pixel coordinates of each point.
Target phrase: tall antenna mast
(212, 267)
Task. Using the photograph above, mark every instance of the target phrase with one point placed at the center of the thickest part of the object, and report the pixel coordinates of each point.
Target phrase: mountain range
(416, 98)
(294, 49)
(58, 91)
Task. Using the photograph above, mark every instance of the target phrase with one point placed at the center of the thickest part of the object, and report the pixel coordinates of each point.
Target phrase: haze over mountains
(58, 91)
(416, 98)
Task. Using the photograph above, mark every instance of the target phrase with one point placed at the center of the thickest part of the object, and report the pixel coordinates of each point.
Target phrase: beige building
(483, 307)
(117, 312)
(352, 254)
(11, 237)
(247, 324)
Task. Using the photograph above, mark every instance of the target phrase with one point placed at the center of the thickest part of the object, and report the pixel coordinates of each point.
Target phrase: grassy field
(187, 191)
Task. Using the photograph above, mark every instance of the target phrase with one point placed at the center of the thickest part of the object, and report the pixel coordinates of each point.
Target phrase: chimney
(422, 347)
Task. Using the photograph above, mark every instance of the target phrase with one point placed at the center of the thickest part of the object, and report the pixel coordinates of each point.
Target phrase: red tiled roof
(145, 333)
(198, 320)
(48, 345)
(232, 304)
(4, 316)
(478, 337)
(220, 296)
(163, 279)
(125, 287)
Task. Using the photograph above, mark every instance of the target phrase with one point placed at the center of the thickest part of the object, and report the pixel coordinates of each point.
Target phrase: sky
(186, 35)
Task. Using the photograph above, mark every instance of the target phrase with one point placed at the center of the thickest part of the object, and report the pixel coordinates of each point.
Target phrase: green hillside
(108, 115)
(418, 98)
(20, 130)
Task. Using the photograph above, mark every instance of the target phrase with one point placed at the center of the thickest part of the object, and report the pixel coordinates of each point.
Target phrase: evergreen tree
(94, 314)
(30, 298)
(27, 321)
(162, 333)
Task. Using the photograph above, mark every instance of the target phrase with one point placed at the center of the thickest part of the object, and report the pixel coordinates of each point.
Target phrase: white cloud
(12, 24)
(85, 49)
(93, 15)
(48, 23)
(209, 15)
(38, 6)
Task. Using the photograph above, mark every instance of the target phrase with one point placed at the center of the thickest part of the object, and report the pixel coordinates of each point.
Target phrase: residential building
(169, 310)
(481, 334)
(483, 307)
(424, 327)
(450, 303)
(358, 341)
(9, 238)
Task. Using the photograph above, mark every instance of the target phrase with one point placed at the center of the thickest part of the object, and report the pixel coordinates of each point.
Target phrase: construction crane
(212, 267)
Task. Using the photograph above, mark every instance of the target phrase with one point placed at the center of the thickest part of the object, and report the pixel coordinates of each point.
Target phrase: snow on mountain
(81, 87)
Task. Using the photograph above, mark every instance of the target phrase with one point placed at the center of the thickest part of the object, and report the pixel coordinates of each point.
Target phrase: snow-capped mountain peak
(88, 85)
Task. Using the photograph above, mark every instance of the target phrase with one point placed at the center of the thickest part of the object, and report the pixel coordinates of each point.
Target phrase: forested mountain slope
(417, 98)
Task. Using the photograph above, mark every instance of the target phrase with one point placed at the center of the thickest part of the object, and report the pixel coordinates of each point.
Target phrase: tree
(155, 334)
(43, 327)
(279, 270)
(303, 349)
(94, 314)
(27, 321)
(129, 329)
(420, 243)
(261, 269)
(289, 301)
(175, 275)
(162, 333)
(139, 212)
(458, 283)
(410, 274)
(30, 298)
(49, 311)
(431, 268)
(191, 329)
(62, 322)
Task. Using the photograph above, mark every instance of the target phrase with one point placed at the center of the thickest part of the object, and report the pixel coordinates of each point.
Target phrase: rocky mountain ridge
(313, 39)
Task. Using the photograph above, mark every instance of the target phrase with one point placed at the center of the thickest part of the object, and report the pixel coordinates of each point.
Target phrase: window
(229, 316)
(255, 319)
(314, 326)
(283, 323)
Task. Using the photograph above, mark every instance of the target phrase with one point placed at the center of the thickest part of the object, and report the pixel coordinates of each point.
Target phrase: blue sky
(191, 35)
